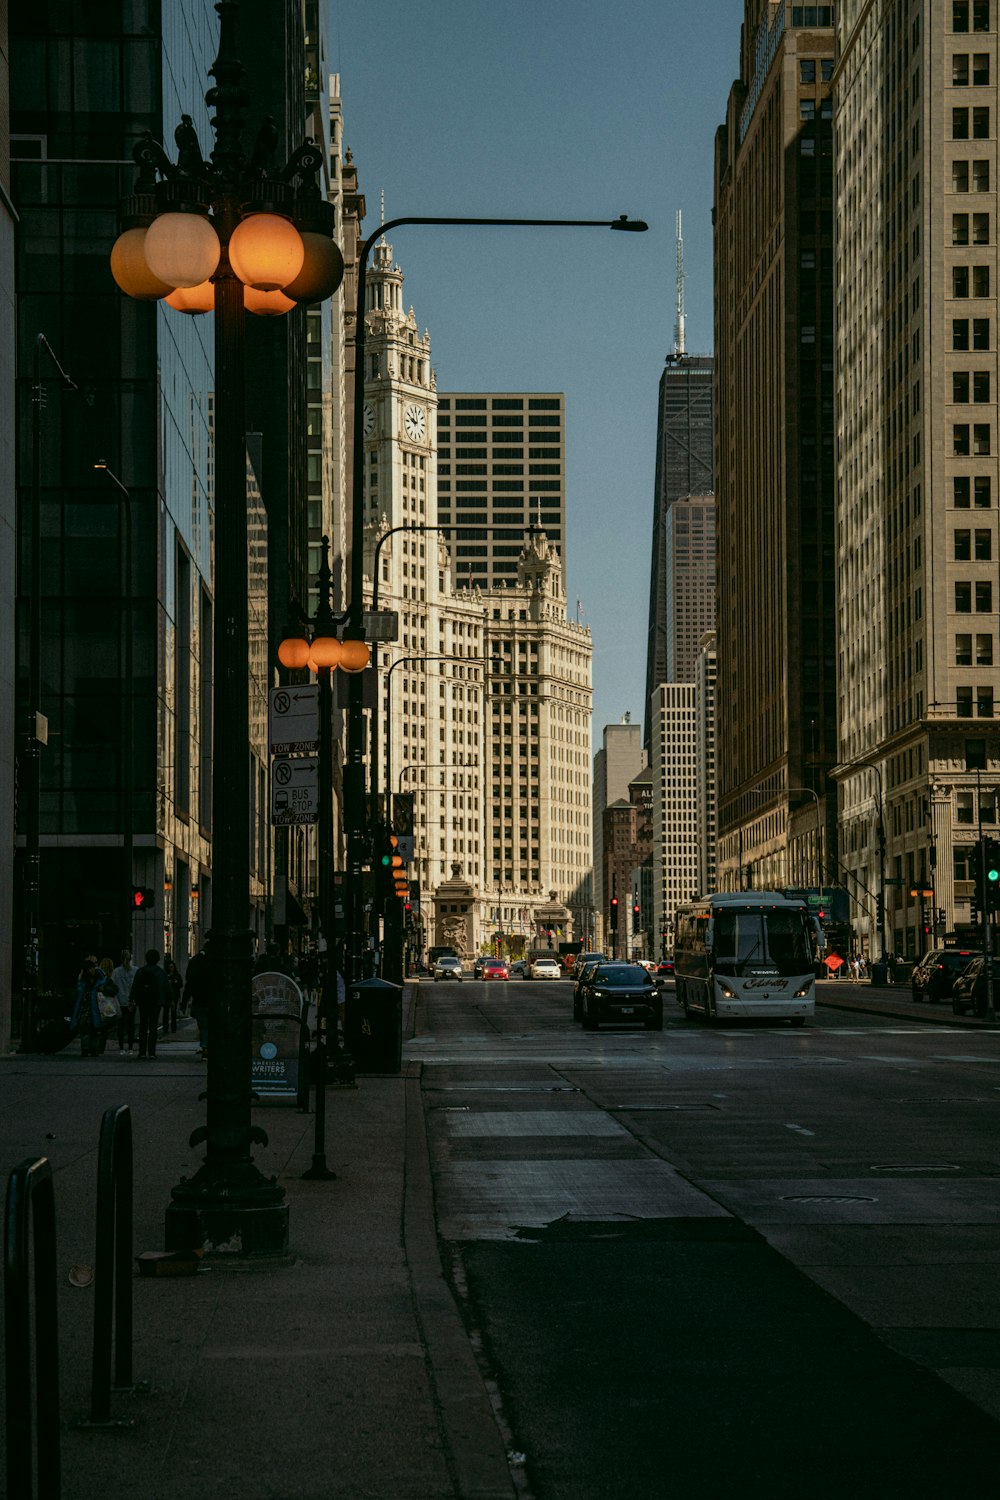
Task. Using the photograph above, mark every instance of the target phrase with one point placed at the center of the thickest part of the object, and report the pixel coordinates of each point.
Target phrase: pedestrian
(86, 1020)
(149, 991)
(123, 976)
(197, 996)
(108, 1003)
(175, 988)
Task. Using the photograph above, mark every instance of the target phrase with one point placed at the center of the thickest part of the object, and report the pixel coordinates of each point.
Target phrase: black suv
(937, 971)
(621, 992)
(970, 989)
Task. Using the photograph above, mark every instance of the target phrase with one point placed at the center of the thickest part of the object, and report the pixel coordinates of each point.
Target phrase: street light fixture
(206, 221)
(354, 771)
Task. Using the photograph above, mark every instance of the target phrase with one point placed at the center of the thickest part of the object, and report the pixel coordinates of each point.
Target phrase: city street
(745, 1259)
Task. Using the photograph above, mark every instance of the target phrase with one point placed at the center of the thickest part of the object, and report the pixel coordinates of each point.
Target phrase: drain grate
(926, 1166)
(826, 1198)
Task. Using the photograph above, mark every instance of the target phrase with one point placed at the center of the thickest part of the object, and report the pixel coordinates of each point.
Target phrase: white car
(546, 968)
(448, 968)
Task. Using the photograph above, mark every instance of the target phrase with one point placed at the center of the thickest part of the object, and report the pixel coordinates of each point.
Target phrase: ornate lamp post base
(239, 1217)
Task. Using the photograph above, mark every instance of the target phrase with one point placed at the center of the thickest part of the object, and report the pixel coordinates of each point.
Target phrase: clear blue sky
(553, 109)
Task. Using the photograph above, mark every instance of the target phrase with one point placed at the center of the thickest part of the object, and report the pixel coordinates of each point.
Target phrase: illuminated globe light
(131, 270)
(193, 299)
(325, 651)
(322, 269)
(266, 251)
(293, 652)
(182, 249)
(267, 304)
(355, 656)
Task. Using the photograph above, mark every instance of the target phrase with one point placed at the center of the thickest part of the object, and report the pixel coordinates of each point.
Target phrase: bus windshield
(747, 940)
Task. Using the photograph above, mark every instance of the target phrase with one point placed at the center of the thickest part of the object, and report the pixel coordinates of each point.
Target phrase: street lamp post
(354, 771)
(35, 725)
(128, 752)
(266, 247)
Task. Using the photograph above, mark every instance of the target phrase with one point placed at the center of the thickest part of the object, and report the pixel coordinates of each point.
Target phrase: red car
(495, 968)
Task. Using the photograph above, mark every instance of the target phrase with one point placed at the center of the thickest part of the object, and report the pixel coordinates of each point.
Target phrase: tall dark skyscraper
(684, 466)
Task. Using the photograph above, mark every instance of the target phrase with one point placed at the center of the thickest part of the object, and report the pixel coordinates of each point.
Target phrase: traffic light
(142, 898)
(635, 910)
(991, 872)
(613, 914)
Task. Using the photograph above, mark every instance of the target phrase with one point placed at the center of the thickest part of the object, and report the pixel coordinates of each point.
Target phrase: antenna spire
(679, 323)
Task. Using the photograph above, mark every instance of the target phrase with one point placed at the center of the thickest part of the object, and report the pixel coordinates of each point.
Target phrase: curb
(885, 1008)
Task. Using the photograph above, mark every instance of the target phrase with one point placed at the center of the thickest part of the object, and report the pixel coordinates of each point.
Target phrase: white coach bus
(744, 954)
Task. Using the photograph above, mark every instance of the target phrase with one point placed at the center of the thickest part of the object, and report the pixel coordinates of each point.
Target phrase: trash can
(880, 973)
(373, 1025)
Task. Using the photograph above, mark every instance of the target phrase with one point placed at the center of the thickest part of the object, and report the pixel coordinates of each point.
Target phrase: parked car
(621, 992)
(968, 991)
(495, 968)
(934, 975)
(448, 967)
(546, 968)
(519, 969)
(581, 979)
(583, 959)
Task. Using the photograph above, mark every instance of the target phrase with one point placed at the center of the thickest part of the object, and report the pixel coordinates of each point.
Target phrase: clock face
(415, 423)
(368, 420)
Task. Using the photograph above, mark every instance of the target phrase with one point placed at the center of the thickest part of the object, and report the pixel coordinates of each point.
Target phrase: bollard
(112, 1271)
(31, 1201)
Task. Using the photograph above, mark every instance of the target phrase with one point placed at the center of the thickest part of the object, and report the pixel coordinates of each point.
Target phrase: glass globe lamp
(266, 251)
(322, 269)
(193, 299)
(355, 656)
(293, 650)
(326, 651)
(267, 304)
(182, 249)
(130, 268)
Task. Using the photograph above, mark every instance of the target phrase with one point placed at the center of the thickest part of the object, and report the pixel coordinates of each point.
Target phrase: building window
(963, 597)
(961, 488)
(980, 333)
(983, 544)
(984, 703)
(960, 281)
(959, 15)
(960, 439)
(960, 386)
(984, 596)
(981, 439)
(963, 546)
(980, 68)
(960, 123)
(983, 491)
(975, 755)
(981, 385)
(960, 69)
(984, 650)
(807, 70)
(960, 229)
(965, 810)
(963, 650)
(980, 281)
(980, 229)
(960, 333)
(981, 176)
(981, 122)
(960, 176)
(963, 702)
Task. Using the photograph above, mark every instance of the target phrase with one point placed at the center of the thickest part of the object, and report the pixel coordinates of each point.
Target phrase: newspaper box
(280, 1038)
(373, 1026)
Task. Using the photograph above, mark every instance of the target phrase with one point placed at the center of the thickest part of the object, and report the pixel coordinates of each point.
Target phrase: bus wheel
(797, 1020)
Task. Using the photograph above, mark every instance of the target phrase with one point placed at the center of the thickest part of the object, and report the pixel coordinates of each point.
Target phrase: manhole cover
(826, 1198)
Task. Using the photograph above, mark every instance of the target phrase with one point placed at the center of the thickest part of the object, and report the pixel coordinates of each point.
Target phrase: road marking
(800, 1129)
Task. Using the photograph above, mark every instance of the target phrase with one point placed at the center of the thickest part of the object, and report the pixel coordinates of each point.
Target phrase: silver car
(448, 968)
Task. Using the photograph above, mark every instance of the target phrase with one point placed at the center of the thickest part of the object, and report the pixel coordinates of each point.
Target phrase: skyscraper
(501, 468)
(919, 679)
(776, 640)
(684, 466)
(690, 579)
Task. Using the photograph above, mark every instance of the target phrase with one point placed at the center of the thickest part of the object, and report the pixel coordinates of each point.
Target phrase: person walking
(149, 991)
(111, 1013)
(175, 988)
(197, 996)
(123, 976)
(86, 1020)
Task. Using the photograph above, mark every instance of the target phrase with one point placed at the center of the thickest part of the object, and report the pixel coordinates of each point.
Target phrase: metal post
(229, 1204)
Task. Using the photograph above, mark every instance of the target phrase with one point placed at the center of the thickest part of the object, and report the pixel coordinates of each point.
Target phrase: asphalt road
(748, 1260)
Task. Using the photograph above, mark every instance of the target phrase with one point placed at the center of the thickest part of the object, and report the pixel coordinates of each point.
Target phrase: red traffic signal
(142, 898)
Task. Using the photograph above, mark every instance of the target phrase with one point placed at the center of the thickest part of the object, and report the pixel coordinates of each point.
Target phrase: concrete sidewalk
(346, 1373)
(895, 1002)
